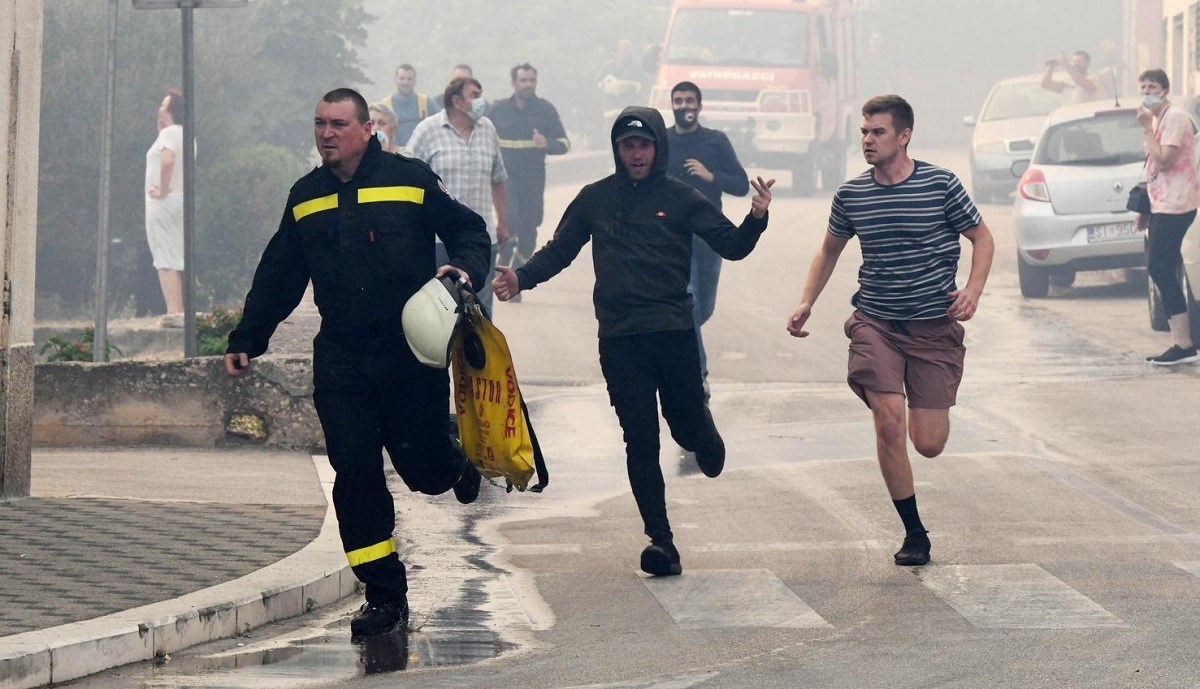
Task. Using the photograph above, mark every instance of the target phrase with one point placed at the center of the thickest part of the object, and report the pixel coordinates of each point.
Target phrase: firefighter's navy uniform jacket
(526, 164)
(367, 245)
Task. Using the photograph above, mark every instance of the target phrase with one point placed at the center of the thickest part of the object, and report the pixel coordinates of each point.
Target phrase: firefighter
(529, 130)
(361, 227)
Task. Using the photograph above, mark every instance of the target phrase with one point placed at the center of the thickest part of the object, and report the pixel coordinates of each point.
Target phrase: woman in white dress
(164, 205)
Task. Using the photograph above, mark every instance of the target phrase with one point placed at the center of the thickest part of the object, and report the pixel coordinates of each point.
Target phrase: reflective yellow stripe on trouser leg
(371, 553)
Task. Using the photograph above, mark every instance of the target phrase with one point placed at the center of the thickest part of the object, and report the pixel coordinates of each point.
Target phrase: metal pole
(100, 324)
(189, 186)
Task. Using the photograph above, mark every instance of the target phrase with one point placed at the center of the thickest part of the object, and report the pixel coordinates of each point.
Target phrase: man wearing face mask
(462, 147)
(703, 158)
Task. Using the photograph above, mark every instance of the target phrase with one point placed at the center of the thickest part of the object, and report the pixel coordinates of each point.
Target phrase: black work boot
(915, 550)
(660, 558)
(380, 618)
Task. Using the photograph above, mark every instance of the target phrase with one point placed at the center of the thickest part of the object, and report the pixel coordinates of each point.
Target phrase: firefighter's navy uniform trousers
(368, 245)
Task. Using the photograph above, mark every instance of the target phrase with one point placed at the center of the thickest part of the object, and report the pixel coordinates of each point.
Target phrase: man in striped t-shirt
(905, 335)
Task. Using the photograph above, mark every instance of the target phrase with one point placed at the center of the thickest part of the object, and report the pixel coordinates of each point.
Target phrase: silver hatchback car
(1005, 133)
(1070, 211)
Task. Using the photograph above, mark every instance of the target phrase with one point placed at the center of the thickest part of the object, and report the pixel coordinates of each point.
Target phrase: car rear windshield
(1022, 99)
(1112, 138)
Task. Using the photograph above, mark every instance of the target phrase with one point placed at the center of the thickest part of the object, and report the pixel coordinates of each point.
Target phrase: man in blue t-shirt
(905, 335)
(703, 158)
(410, 107)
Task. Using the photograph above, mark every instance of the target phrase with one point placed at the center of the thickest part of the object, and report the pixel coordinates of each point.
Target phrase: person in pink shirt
(1174, 196)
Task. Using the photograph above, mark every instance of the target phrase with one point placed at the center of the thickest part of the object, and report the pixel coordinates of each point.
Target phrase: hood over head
(647, 123)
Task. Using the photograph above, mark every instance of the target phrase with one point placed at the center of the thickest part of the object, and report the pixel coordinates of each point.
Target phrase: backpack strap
(539, 460)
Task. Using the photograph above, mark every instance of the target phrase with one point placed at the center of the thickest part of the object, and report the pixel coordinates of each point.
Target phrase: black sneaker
(380, 618)
(915, 550)
(711, 459)
(466, 488)
(1174, 355)
(660, 558)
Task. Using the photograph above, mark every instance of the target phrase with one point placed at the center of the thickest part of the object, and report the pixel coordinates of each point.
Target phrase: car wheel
(1035, 282)
(804, 175)
(833, 164)
(1062, 278)
(1158, 317)
(1193, 306)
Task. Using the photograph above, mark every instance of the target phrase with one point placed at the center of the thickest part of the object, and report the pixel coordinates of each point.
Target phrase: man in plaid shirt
(461, 146)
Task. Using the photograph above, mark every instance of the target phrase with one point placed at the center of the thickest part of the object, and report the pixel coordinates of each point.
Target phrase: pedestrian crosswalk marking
(702, 599)
(675, 682)
(787, 546)
(1023, 596)
(1192, 567)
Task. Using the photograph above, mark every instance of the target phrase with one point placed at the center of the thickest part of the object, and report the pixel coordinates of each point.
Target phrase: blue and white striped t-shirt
(909, 237)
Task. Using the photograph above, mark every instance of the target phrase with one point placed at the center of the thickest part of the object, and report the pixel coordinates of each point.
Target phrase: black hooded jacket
(642, 242)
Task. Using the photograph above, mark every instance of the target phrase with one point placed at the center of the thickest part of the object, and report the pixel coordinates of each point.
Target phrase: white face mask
(1151, 101)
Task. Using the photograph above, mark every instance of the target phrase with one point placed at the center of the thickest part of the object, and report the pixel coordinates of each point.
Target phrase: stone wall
(188, 403)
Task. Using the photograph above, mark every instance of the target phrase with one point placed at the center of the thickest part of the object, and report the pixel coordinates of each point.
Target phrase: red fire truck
(777, 78)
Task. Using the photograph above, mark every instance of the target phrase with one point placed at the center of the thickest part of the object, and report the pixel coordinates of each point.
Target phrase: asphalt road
(1065, 527)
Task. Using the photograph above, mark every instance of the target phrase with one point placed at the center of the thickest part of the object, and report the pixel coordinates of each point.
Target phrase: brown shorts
(920, 359)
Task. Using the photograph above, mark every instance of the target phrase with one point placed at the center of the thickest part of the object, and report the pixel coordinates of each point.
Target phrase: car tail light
(1033, 187)
(1038, 254)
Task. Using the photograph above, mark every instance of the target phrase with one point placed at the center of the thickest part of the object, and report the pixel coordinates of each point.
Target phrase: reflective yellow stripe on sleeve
(371, 553)
(565, 142)
(377, 194)
(517, 143)
(325, 203)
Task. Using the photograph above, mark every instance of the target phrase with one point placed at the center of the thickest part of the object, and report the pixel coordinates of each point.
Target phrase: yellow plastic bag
(493, 422)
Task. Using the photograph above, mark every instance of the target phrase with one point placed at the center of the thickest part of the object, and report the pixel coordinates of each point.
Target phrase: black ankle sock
(908, 513)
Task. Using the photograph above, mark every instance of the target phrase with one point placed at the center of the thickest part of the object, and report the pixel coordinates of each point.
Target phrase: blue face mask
(478, 107)
(1151, 101)
(382, 136)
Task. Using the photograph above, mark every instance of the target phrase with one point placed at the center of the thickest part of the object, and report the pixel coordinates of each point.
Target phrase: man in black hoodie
(642, 223)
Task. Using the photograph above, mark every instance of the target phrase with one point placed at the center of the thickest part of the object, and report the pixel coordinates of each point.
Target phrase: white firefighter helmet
(429, 319)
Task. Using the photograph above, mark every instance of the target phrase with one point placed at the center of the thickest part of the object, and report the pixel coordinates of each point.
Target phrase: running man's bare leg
(929, 430)
(891, 442)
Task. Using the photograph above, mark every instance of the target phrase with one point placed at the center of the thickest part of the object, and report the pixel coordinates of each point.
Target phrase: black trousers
(1163, 257)
(525, 210)
(637, 368)
(370, 399)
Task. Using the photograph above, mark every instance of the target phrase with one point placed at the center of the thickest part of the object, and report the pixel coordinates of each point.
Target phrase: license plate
(1111, 232)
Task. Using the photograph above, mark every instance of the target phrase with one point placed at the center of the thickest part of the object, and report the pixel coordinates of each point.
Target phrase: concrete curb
(316, 575)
